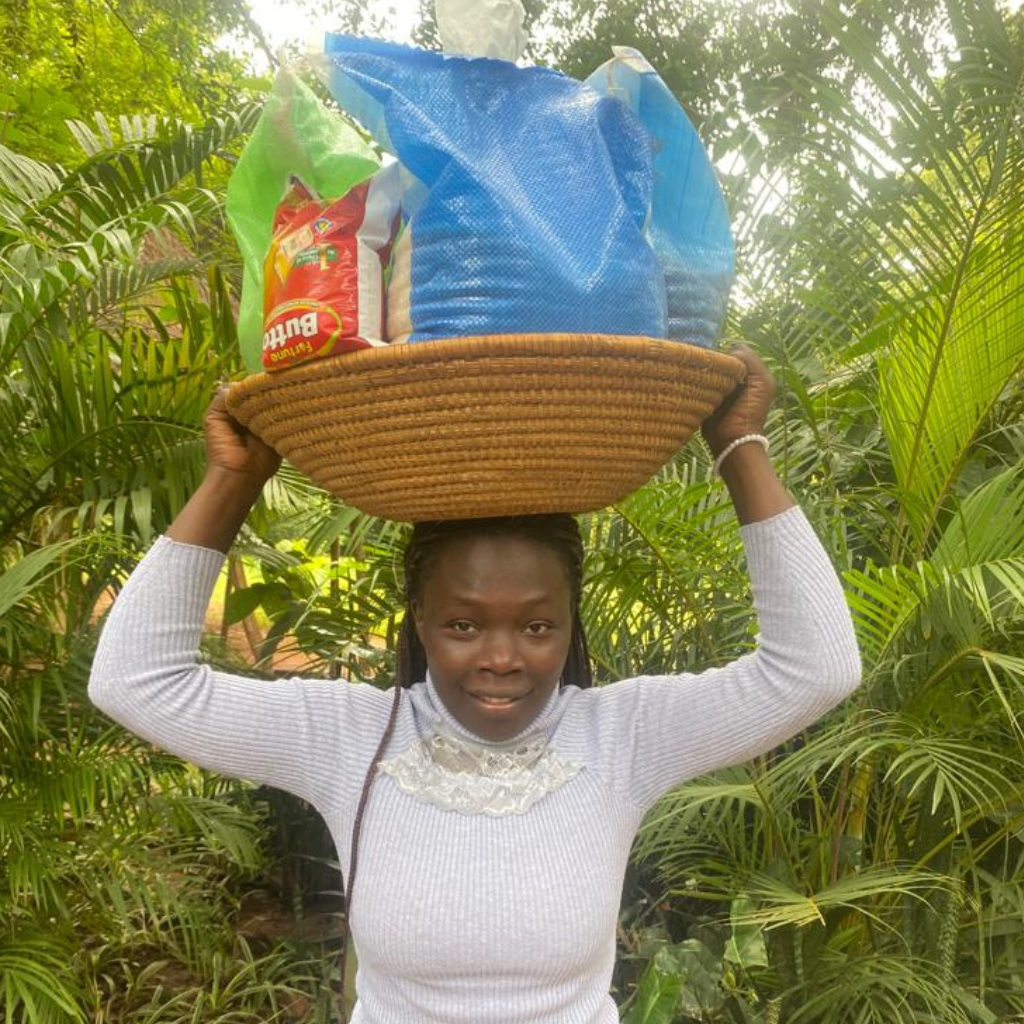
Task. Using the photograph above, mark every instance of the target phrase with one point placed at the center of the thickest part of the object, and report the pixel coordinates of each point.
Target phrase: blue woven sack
(689, 229)
(543, 204)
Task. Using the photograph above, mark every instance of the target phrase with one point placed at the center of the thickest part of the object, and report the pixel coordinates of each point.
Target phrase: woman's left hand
(745, 410)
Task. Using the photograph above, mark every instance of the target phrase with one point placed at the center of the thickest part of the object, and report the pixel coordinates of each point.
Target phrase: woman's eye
(460, 626)
(538, 628)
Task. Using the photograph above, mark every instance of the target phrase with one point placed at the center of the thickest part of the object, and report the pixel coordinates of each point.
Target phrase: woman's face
(495, 620)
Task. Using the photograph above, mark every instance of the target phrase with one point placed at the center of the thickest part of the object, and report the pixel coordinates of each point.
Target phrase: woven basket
(490, 426)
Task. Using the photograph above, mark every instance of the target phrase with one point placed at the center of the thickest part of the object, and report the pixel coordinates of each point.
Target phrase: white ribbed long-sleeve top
(481, 918)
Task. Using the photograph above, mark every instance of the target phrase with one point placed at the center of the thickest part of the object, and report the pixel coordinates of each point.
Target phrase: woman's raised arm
(303, 735)
(756, 492)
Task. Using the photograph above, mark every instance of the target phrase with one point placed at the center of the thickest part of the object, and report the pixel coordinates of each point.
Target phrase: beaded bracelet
(733, 445)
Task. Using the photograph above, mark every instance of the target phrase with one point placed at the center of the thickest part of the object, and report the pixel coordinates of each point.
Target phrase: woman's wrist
(727, 449)
(757, 492)
(215, 513)
(233, 483)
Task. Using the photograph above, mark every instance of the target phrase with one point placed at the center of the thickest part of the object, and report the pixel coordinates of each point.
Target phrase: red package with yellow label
(323, 277)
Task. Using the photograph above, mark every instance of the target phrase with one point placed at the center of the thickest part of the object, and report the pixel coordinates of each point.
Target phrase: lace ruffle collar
(452, 768)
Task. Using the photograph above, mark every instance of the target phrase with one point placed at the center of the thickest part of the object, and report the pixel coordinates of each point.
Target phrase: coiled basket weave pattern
(490, 426)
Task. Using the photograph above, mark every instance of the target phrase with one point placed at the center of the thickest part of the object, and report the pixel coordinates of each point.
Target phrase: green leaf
(241, 603)
(745, 946)
(701, 993)
(657, 995)
(35, 982)
(947, 362)
(18, 582)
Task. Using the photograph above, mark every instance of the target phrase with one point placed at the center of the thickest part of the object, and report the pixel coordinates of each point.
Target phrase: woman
(506, 800)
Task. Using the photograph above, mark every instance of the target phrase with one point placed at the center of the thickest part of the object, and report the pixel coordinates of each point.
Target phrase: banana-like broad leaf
(657, 996)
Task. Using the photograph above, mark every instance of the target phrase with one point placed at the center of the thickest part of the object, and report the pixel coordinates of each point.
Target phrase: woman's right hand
(238, 465)
(233, 447)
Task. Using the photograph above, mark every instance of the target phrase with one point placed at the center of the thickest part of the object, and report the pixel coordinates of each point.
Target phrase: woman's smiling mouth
(495, 703)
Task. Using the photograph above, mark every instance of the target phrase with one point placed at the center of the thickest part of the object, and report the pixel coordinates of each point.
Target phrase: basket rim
(443, 351)
(589, 382)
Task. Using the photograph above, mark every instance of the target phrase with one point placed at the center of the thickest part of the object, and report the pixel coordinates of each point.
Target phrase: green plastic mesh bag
(296, 134)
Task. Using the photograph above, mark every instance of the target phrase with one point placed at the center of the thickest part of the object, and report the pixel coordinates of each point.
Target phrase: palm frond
(883, 988)
(945, 366)
(667, 565)
(117, 183)
(35, 983)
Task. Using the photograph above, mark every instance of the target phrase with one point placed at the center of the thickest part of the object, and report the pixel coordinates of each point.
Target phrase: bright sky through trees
(286, 21)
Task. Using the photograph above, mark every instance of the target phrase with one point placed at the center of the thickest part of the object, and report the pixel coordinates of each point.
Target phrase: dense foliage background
(873, 155)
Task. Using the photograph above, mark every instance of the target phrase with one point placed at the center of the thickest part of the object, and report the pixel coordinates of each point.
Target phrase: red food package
(323, 291)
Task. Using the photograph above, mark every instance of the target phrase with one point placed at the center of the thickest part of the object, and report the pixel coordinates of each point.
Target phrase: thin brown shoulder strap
(353, 860)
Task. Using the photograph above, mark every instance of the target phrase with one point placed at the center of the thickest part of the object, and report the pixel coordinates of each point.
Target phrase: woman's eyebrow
(471, 600)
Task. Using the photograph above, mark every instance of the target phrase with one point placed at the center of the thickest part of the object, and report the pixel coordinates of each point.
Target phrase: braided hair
(559, 532)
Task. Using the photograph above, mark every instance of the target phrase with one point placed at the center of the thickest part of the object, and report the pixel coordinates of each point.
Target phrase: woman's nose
(501, 652)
